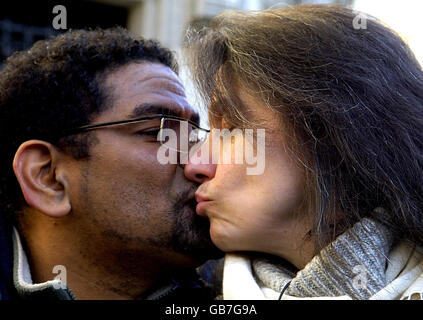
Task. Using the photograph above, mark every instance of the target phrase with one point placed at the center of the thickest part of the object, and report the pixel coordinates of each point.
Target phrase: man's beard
(191, 233)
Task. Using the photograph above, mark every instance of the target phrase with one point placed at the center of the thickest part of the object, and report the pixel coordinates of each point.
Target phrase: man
(86, 201)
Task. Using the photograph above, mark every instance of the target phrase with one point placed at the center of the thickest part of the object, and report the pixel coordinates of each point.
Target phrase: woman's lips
(201, 207)
(202, 203)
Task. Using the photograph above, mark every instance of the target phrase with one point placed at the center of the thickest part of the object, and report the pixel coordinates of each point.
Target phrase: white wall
(405, 17)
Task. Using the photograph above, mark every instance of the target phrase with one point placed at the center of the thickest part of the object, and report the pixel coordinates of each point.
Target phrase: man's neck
(90, 270)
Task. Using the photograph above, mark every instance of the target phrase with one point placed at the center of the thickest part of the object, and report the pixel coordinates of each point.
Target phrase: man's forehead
(142, 76)
(140, 89)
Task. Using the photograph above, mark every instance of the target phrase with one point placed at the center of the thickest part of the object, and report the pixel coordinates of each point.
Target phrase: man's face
(126, 200)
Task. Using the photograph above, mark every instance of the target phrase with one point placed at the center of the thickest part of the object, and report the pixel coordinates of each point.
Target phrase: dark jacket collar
(6, 258)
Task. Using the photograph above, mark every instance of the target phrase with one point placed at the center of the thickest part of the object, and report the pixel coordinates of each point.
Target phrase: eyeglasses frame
(90, 127)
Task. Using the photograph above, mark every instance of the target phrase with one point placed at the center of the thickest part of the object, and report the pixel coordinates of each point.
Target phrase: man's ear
(35, 165)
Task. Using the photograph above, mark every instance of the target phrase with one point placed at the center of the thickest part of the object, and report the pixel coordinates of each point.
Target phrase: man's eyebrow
(150, 109)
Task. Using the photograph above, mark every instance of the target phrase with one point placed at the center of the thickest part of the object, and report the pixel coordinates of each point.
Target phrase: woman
(338, 210)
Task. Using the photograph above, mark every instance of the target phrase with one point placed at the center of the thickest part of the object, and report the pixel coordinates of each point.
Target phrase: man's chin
(191, 236)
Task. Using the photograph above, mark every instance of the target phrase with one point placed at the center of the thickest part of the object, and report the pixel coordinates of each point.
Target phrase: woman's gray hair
(352, 101)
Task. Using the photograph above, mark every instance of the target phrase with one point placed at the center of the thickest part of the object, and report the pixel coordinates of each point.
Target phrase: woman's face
(255, 212)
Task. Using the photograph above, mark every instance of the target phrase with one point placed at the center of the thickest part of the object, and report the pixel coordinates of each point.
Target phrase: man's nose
(199, 172)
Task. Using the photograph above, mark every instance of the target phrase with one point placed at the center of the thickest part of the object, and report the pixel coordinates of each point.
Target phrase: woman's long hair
(352, 98)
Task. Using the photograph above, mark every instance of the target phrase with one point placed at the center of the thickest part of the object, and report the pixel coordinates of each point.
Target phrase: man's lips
(202, 203)
(190, 201)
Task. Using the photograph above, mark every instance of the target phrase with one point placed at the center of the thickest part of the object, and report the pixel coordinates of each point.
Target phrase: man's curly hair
(57, 84)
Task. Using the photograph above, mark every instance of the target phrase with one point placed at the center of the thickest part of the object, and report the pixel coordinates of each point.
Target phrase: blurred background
(24, 22)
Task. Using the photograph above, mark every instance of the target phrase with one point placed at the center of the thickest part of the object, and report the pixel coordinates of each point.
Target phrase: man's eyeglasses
(160, 125)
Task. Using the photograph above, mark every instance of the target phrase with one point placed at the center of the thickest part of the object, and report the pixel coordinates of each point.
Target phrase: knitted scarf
(354, 265)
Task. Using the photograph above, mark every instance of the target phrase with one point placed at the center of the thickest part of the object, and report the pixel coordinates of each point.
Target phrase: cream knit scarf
(354, 266)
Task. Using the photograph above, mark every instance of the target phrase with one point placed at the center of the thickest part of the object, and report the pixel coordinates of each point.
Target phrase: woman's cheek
(220, 236)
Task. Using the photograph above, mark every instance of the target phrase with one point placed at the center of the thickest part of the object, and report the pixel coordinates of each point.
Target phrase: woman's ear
(35, 166)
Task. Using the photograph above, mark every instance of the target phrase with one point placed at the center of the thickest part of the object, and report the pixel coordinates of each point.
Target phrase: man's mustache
(187, 195)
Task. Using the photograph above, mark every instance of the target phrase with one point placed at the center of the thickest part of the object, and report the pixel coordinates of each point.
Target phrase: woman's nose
(199, 169)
